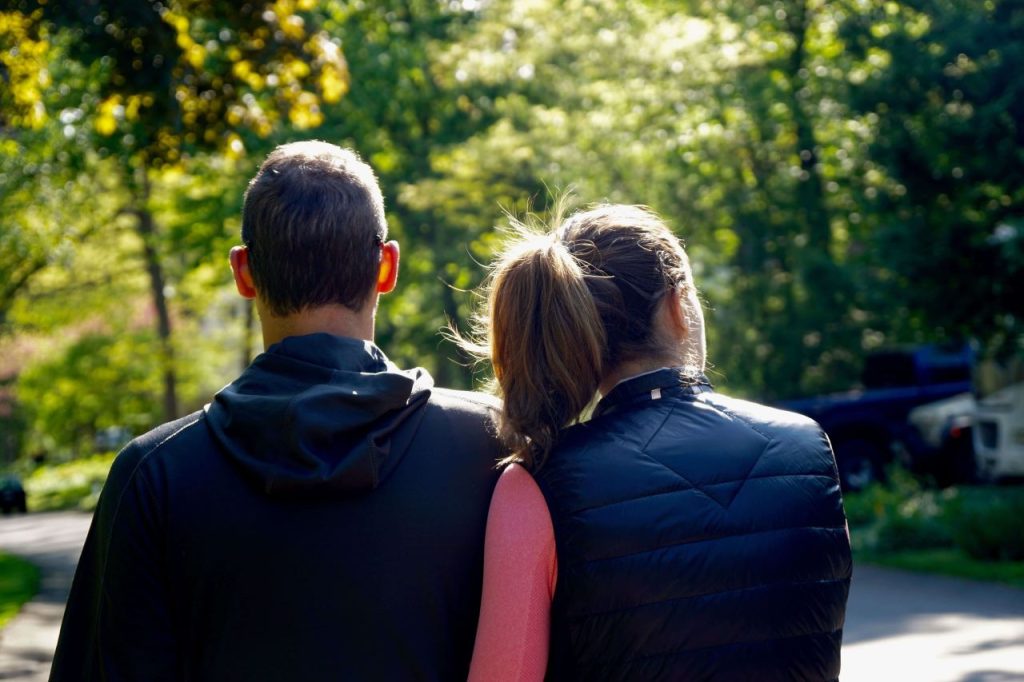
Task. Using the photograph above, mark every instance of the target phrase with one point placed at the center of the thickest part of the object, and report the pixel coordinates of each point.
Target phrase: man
(324, 517)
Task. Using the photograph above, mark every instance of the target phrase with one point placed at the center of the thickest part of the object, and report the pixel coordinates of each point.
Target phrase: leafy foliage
(122, 389)
(166, 81)
(949, 107)
(846, 174)
(183, 75)
(69, 485)
(984, 524)
(980, 523)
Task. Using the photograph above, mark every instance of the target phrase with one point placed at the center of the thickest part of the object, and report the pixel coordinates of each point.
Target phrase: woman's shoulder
(517, 490)
(515, 478)
(757, 415)
(786, 441)
(738, 423)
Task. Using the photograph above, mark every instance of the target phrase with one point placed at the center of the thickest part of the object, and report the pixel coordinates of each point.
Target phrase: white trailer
(998, 428)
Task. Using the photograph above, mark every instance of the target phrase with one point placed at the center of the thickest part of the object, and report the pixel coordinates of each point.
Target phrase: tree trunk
(146, 229)
(810, 191)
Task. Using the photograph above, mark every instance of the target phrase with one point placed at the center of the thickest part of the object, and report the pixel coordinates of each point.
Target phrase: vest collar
(670, 381)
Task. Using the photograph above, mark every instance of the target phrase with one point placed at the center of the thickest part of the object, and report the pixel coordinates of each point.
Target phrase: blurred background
(848, 176)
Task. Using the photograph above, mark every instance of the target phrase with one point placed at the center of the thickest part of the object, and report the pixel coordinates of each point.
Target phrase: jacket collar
(331, 352)
(670, 381)
(318, 413)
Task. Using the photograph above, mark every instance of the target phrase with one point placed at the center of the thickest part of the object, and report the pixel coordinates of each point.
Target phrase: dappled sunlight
(930, 629)
(941, 648)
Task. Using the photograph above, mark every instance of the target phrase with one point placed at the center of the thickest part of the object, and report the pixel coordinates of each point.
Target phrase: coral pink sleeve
(519, 581)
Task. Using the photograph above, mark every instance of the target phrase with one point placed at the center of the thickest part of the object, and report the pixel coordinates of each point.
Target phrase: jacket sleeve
(117, 623)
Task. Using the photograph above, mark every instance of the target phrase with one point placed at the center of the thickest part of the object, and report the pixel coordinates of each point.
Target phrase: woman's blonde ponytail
(546, 344)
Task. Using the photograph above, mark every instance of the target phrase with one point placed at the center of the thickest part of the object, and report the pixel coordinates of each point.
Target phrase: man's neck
(328, 319)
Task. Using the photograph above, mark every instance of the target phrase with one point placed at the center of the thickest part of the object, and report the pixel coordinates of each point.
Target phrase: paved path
(908, 626)
(53, 542)
(899, 626)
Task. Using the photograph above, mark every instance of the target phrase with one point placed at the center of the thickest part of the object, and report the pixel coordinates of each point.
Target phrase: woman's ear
(677, 312)
(239, 258)
(387, 276)
(697, 345)
(680, 325)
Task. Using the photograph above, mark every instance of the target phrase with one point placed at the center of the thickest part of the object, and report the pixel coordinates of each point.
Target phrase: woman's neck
(679, 324)
(628, 370)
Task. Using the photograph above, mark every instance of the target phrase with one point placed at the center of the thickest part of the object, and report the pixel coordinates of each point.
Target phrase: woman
(677, 534)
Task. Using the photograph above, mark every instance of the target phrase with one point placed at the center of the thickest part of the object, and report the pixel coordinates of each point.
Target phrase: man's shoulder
(137, 464)
(164, 436)
(469, 402)
(462, 416)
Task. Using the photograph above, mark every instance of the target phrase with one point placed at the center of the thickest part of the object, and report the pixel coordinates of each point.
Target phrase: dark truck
(868, 426)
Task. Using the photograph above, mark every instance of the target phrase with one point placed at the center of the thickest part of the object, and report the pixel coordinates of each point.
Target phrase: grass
(19, 582)
(951, 562)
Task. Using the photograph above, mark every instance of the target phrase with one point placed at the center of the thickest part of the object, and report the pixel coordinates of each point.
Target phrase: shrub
(72, 485)
(867, 506)
(916, 524)
(900, 515)
(986, 523)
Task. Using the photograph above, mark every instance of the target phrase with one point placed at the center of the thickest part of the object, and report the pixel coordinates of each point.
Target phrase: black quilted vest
(699, 538)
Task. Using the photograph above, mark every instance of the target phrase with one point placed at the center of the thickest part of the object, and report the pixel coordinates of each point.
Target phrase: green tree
(401, 107)
(949, 107)
(177, 79)
(787, 189)
(729, 118)
(123, 381)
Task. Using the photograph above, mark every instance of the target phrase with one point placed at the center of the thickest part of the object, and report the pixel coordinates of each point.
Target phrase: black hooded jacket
(322, 519)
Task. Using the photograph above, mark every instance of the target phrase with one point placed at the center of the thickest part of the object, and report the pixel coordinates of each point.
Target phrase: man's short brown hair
(313, 222)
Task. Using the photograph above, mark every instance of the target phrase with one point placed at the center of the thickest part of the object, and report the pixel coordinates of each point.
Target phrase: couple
(330, 516)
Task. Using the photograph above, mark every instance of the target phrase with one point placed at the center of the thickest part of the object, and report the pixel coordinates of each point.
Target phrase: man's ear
(239, 258)
(387, 276)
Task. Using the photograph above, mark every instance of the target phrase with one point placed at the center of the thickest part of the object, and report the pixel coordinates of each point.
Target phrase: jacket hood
(318, 412)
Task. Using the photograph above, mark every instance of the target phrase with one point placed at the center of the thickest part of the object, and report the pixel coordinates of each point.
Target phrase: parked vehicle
(945, 450)
(869, 426)
(12, 495)
(999, 417)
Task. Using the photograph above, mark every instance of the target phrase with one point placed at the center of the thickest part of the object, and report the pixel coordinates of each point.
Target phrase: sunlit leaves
(184, 76)
(846, 173)
(729, 118)
(122, 386)
(23, 73)
(947, 106)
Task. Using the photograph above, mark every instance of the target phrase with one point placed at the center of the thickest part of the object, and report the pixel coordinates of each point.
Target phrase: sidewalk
(928, 628)
(52, 541)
